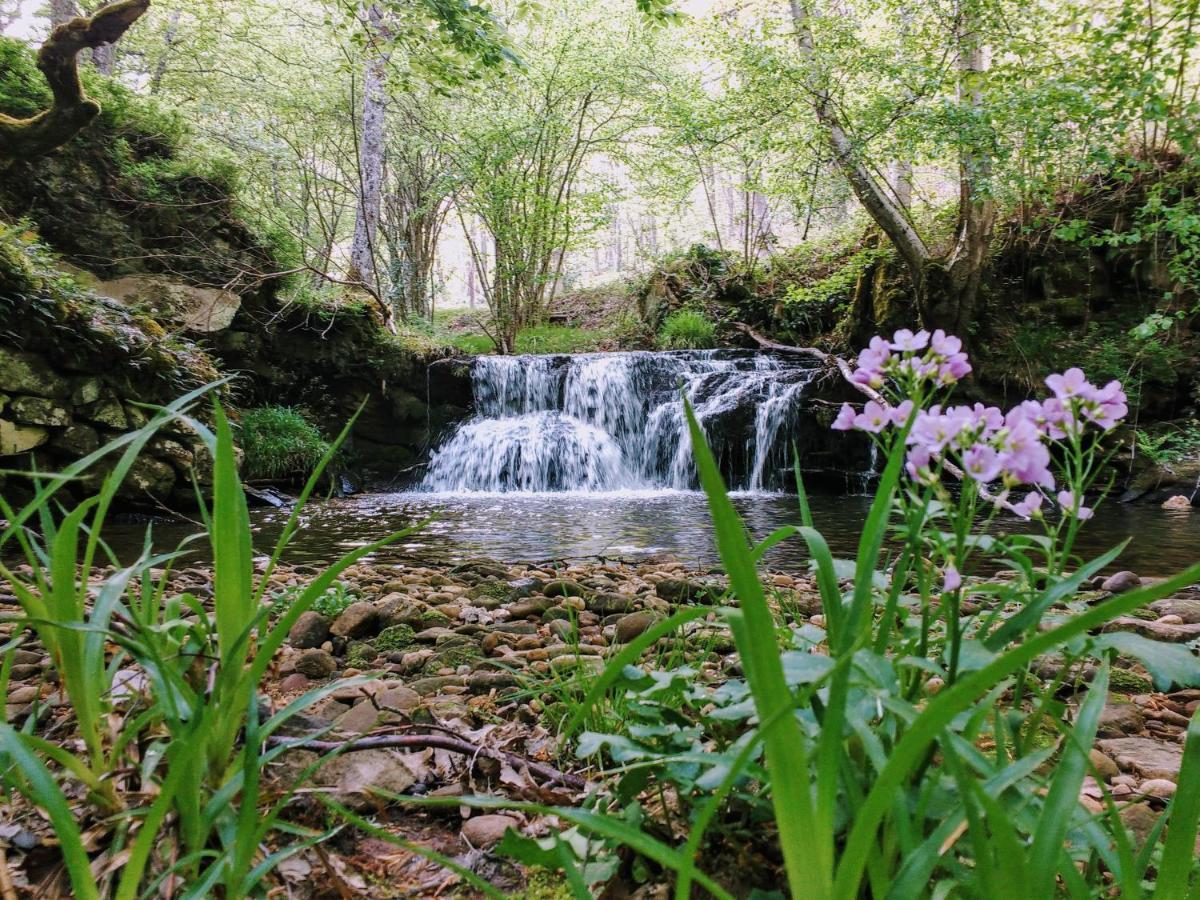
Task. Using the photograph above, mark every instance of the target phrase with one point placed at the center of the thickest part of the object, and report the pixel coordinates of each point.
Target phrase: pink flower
(1024, 456)
(874, 417)
(943, 344)
(1073, 507)
(918, 464)
(845, 418)
(954, 369)
(869, 377)
(1030, 507)
(991, 417)
(982, 463)
(1071, 383)
(905, 340)
(953, 580)
(901, 413)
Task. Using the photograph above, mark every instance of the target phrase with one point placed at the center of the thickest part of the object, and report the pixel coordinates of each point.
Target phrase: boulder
(353, 776)
(195, 308)
(1119, 718)
(358, 620)
(16, 438)
(680, 590)
(632, 626)
(309, 631)
(1145, 756)
(316, 663)
(38, 411)
(1187, 608)
(28, 373)
(1178, 503)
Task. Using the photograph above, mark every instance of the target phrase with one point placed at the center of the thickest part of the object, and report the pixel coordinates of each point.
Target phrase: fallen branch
(72, 109)
(434, 742)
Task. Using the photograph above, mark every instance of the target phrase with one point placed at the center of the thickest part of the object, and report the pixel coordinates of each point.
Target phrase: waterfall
(615, 421)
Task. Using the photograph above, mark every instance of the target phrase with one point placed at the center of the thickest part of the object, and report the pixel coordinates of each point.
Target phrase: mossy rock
(1124, 681)
(452, 654)
(360, 655)
(395, 637)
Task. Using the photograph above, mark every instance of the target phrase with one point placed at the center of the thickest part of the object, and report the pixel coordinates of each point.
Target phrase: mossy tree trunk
(71, 109)
(946, 289)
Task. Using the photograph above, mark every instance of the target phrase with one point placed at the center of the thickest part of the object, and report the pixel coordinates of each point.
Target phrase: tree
(946, 287)
(71, 109)
(371, 137)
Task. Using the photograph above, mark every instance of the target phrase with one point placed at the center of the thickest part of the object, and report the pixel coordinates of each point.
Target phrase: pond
(636, 524)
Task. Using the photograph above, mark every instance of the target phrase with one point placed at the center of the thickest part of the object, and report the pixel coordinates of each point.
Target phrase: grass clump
(688, 329)
(280, 443)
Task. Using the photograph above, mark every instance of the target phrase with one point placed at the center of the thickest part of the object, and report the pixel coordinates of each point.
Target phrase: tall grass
(176, 784)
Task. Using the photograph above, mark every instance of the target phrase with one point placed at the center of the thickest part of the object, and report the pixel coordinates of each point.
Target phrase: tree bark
(71, 110)
(370, 155)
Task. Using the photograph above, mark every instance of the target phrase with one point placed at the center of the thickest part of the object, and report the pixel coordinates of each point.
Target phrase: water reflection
(538, 527)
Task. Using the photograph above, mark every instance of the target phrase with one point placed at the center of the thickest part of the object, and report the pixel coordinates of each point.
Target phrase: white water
(615, 422)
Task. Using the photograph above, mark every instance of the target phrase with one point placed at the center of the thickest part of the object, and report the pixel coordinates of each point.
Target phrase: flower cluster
(919, 357)
(984, 442)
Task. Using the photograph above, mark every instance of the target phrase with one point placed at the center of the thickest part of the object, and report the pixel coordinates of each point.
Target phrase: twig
(7, 889)
(436, 742)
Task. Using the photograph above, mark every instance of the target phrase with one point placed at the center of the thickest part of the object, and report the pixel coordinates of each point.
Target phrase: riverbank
(462, 678)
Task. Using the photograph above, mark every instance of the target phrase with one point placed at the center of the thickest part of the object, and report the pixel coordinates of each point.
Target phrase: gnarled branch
(72, 109)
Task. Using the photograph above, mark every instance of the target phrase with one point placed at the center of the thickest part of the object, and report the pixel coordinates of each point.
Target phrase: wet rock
(358, 620)
(1178, 503)
(310, 630)
(354, 775)
(1159, 631)
(1145, 757)
(1119, 718)
(484, 832)
(316, 663)
(1121, 582)
(634, 625)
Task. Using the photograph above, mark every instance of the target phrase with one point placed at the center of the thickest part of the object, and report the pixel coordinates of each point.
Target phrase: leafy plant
(280, 442)
(687, 329)
(193, 733)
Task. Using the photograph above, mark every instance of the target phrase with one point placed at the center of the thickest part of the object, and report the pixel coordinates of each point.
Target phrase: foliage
(832, 732)
(687, 329)
(280, 443)
(1169, 444)
(192, 729)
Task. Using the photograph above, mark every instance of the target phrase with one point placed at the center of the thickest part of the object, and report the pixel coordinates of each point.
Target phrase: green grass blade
(807, 845)
(1062, 801)
(1184, 818)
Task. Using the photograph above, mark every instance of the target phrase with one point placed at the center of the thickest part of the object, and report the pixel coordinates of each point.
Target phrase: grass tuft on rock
(280, 443)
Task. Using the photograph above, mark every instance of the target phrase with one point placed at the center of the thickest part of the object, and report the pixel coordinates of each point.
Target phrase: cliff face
(128, 275)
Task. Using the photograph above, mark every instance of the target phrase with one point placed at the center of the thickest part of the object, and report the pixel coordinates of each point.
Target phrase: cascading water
(615, 421)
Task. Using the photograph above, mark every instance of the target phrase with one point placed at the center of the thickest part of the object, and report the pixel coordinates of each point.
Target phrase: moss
(395, 637)
(360, 655)
(1126, 682)
(542, 884)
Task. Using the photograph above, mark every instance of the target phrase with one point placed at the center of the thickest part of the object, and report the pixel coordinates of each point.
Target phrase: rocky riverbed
(451, 679)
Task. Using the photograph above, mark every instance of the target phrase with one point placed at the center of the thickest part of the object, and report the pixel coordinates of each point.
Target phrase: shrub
(688, 329)
(280, 443)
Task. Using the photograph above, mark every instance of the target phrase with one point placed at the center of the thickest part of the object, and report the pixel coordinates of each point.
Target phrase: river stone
(1187, 608)
(634, 625)
(360, 619)
(316, 663)
(150, 476)
(1139, 819)
(1145, 757)
(1104, 765)
(608, 604)
(38, 411)
(531, 606)
(564, 587)
(361, 718)
(1159, 631)
(354, 775)
(1121, 582)
(1119, 718)
(1178, 503)
(521, 588)
(484, 832)
(16, 438)
(563, 629)
(309, 631)
(680, 590)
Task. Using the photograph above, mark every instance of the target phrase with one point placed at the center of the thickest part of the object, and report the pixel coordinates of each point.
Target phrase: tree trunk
(370, 157)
